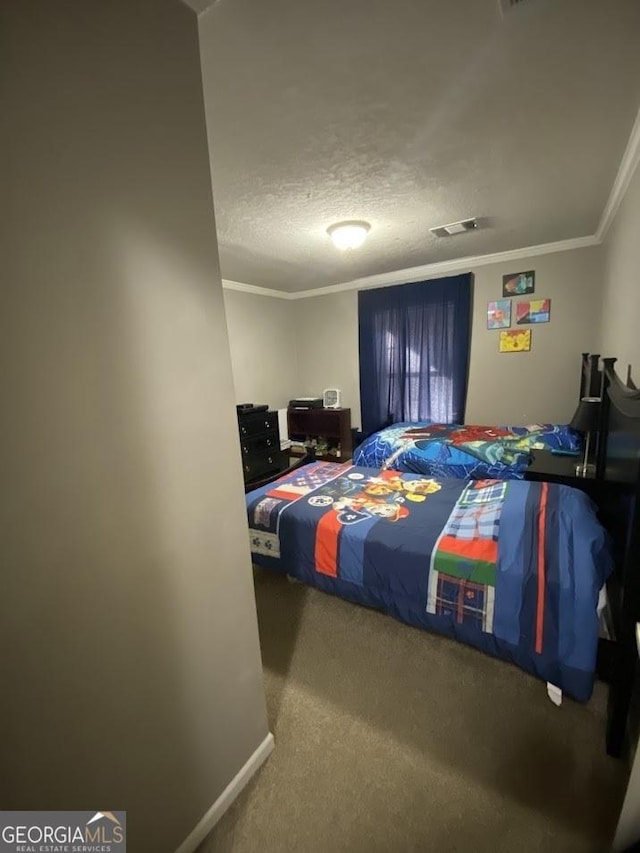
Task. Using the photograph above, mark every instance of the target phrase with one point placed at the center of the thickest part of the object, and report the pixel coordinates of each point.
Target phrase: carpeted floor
(391, 739)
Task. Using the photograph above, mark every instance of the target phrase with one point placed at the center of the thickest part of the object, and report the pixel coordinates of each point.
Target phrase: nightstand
(554, 468)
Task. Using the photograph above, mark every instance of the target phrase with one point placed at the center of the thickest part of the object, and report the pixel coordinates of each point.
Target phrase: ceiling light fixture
(348, 235)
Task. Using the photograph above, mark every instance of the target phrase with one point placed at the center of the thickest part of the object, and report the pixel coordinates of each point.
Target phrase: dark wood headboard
(618, 457)
(618, 469)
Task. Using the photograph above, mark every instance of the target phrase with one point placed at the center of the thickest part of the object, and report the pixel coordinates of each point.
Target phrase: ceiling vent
(509, 5)
(455, 228)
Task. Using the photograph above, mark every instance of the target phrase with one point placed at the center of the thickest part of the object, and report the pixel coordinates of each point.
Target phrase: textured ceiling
(410, 114)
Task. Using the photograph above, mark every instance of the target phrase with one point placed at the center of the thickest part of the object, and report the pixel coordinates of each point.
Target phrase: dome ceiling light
(348, 235)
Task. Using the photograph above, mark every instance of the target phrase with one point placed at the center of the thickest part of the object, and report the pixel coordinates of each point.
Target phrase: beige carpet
(392, 739)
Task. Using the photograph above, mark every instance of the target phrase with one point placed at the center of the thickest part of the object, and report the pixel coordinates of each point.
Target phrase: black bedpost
(603, 426)
(583, 371)
(595, 380)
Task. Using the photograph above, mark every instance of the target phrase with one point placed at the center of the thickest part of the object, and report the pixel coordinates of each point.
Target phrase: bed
(388, 550)
(513, 568)
(463, 451)
(473, 451)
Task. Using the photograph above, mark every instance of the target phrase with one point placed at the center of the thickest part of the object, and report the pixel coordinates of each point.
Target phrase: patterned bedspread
(513, 568)
(451, 450)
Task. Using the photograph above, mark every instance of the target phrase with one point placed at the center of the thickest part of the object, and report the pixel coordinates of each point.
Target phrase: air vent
(455, 228)
(509, 5)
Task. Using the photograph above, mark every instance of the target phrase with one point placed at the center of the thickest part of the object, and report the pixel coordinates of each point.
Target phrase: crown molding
(421, 273)
(199, 6)
(426, 271)
(255, 290)
(630, 160)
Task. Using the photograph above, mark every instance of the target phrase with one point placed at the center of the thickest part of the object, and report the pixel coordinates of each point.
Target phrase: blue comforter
(512, 568)
(453, 450)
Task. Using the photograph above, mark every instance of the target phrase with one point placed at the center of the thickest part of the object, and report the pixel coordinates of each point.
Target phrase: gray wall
(621, 292)
(130, 670)
(262, 337)
(327, 329)
(541, 385)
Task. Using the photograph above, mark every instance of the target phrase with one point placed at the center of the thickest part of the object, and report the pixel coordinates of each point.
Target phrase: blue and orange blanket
(454, 450)
(513, 568)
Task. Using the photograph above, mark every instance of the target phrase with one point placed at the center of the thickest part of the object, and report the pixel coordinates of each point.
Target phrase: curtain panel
(414, 342)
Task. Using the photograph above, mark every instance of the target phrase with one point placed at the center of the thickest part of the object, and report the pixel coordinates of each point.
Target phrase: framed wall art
(519, 283)
(534, 311)
(517, 340)
(499, 314)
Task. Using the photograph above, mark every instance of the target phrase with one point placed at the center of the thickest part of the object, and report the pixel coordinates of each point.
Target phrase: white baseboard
(233, 789)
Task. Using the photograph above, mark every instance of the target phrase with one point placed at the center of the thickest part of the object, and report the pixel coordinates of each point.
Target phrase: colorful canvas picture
(535, 311)
(499, 314)
(519, 283)
(517, 340)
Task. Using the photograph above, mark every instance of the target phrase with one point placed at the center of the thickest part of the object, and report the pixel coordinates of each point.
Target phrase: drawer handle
(243, 430)
(266, 424)
(268, 442)
(247, 468)
(245, 449)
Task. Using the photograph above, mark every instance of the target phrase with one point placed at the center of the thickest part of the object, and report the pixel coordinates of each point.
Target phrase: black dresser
(260, 444)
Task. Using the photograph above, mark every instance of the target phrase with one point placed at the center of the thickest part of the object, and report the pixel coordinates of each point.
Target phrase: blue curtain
(414, 352)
